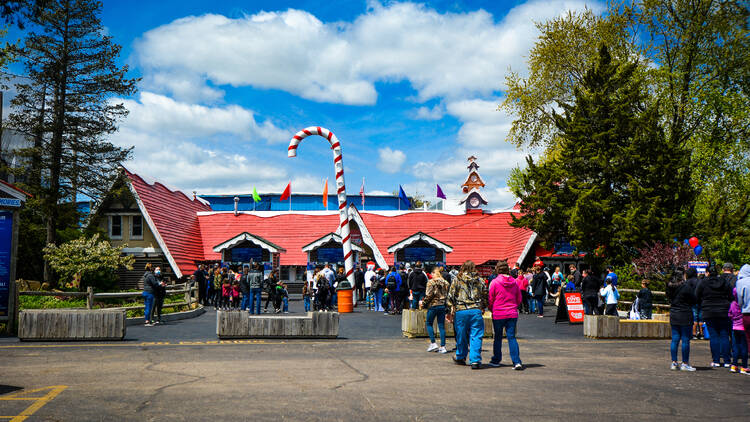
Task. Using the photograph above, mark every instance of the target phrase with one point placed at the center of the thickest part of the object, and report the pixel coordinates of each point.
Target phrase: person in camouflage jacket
(467, 300)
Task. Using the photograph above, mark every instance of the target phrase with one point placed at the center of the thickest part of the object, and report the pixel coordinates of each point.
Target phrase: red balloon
(693, 242)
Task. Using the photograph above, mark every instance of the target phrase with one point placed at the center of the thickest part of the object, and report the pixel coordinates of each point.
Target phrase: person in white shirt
(368, 280)
(610, 295)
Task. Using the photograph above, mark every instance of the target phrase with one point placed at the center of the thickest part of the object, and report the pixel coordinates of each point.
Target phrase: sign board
(331, 255)
(575, 307)
(701, 266)
(246, 254)
(6, 235)
(419, 254)
(10, 202)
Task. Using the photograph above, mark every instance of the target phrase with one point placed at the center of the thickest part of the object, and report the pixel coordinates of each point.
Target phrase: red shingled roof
(478, 237)
(172, 217)
(290, 231)
(186, 237)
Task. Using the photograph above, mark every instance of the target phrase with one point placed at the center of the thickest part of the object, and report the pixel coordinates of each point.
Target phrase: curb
(177, 316)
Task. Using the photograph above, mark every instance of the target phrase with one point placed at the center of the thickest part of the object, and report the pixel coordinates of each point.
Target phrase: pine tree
(72, 72)
(616, 182)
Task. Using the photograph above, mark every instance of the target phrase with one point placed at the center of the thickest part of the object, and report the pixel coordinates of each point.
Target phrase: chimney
(236, 204)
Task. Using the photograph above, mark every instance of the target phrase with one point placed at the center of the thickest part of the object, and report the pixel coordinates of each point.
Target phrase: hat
(407, 266)
(727, 266)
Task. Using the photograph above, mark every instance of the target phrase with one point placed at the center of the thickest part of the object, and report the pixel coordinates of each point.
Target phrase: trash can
(344, 295)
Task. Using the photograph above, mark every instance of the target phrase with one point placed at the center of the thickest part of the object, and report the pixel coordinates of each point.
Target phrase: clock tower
(471, 187)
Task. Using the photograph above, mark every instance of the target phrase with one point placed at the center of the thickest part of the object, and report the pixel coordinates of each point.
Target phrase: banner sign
(10, 202)
(698, 265)
(575, 307)
(6, 235)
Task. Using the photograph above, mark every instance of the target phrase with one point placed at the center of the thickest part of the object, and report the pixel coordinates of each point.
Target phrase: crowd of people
(235, 288)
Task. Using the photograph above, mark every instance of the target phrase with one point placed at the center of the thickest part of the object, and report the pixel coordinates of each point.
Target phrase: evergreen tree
(66, 105)
(605, 189)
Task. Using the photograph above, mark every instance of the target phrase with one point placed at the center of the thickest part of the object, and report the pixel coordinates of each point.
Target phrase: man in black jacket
(359, 285)
(577, 279)
(200, 277)
(715, 295)
(539, 288)
(245, 288)
(417, 284)
(727, 273)
(589, 292)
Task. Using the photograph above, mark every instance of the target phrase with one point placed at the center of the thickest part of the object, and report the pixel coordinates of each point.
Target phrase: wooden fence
(175, 289)
(655, 293)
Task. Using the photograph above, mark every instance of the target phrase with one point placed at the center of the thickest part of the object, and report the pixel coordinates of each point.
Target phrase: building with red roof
(167, 227)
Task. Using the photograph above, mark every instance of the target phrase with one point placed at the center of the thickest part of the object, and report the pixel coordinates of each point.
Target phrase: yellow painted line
(39, 402)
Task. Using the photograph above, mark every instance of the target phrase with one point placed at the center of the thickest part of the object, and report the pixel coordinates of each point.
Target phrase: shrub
(657, 262)
(87, 261)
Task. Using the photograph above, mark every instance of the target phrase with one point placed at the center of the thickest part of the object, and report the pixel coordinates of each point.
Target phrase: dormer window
(115, 227)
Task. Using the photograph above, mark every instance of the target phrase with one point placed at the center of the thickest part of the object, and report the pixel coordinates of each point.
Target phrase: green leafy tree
(605, 190)
(696, 57)
(87, 261)
(65, 105)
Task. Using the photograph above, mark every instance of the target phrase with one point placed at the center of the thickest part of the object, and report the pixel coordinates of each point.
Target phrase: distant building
(300, 202)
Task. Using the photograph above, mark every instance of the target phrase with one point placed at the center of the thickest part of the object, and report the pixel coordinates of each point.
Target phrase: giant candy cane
(338, 164)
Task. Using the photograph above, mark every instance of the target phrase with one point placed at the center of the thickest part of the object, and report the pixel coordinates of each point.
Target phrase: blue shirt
(611, 276)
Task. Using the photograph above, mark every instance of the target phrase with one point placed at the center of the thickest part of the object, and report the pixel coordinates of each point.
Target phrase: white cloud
(157, 114)
(426, 113)
(391, 160)
(449, 55)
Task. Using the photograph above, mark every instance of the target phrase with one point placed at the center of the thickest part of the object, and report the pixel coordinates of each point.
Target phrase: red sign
(575, 307)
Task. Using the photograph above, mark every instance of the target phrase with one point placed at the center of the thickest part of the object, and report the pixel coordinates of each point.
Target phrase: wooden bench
(240, 324)
(600, 326)
(71, 324)
(414, 324)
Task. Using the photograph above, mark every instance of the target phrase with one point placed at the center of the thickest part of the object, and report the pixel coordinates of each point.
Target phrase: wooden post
(89, 297)
(188, 294)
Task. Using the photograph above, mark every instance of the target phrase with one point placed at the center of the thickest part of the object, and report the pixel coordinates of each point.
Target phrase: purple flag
(440, 193)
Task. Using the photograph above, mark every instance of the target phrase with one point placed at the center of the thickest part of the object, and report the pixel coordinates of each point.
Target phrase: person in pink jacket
(504, 298)
(739, 342)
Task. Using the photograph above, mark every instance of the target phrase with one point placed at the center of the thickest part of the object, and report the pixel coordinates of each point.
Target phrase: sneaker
(744, 371)
(494, 365)
(540, 316)
(148, 324)
(432, 347)
(442, 350)
(518, 367)
(674, 366)
(715, 365)
(726, 365)
(686, 367)
(733, 369)
(286, 312)
(461, 362)
(476, 365)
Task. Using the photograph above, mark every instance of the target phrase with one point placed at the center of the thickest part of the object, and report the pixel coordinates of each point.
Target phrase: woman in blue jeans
(504, 298)
(681, 300)
(150, 284)
(467, 300)
(434, 301)
(715, 295)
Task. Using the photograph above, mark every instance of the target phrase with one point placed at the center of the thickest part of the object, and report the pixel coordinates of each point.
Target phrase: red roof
(290, 231)
(172, 217)
(478, 237)
(187, 237)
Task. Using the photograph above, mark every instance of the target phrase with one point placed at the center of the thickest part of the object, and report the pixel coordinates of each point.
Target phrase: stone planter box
(598, 326)
(71, 324)
(413, 324)
(239, 324)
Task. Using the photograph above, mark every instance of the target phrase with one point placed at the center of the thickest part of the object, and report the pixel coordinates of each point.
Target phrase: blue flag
(403, 197)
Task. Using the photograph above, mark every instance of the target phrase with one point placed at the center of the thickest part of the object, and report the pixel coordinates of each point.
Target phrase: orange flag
(325, 194)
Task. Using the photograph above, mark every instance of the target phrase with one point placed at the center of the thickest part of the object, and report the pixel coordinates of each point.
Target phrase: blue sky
(410, 89)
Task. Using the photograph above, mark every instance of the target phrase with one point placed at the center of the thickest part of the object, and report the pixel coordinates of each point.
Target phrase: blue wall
(300, 202)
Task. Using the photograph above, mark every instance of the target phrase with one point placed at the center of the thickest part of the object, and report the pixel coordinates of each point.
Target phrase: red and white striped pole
(338, 164)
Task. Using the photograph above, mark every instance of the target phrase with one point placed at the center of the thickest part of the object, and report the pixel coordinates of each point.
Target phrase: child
(278, 297)
(226, 293)
(386, 301)
(285, 297)
(235, 299)
(570, 285)
(739, 342)
(645, 300)
(307, 294)
(610, 295)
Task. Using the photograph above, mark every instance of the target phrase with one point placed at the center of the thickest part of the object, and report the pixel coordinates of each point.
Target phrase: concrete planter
(71, 324)
(239, 324)
(598, 326)
(414, 324)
